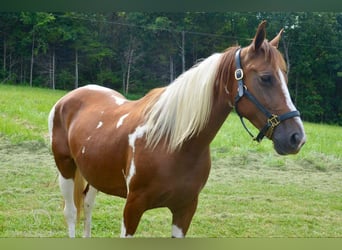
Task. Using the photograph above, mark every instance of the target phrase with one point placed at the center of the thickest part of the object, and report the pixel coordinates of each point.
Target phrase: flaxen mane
(183, 109)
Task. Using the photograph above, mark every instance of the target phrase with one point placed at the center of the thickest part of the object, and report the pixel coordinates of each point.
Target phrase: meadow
(251, 191)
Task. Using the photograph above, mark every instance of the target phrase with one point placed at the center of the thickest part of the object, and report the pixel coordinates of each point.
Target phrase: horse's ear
(275, 41)
(259, 36)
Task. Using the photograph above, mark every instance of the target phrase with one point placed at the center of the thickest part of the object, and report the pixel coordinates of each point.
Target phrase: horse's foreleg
(70, 211)
(134, 208)
(182, 218)
(89, 201)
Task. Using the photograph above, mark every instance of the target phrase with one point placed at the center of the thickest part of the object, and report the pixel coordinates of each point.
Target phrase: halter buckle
(273, 121)
(238, 74)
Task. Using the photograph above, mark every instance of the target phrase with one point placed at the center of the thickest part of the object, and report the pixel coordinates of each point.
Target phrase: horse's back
(79, 108)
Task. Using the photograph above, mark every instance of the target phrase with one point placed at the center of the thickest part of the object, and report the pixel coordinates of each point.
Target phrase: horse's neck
(220, 111)
(223, 97)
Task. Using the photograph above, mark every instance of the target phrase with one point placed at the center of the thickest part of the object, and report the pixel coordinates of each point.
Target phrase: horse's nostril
(295, 139)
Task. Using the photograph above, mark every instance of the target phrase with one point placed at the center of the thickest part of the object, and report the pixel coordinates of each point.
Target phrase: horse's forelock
(273, 55)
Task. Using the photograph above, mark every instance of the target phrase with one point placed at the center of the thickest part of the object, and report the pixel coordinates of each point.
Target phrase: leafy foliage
(133, 51)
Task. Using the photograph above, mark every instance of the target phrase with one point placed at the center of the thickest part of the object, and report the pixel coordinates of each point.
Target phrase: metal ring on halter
(238, 74)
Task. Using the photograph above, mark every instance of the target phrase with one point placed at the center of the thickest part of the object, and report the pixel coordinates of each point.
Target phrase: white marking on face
(177, 232)
(99, 125)
(119, 101)
(120, 122)
(288, 100)
(285, 90)
(83, 149)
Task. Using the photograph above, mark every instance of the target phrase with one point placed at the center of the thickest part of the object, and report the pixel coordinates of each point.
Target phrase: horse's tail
(79, 187)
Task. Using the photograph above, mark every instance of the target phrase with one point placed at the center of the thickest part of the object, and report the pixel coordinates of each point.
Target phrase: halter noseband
(273, 120)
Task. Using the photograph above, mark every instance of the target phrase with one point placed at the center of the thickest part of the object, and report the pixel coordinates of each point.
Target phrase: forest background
(134, 52)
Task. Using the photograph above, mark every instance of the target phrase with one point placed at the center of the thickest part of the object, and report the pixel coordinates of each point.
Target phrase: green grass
(251, 191)
(23, 112)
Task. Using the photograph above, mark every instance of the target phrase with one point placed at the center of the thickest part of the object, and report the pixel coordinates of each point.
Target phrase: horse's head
(261, 93)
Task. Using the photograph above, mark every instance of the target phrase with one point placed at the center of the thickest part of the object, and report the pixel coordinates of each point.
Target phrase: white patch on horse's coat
(138, 133)
(131, 173)
(120, 122)
(89, 201)
(123, 231)
(99, 125)
(118, 100)
(285, 90)
(177, 232)
(67, 189)
(97, 87)
(89, 137)
(50, 122)
(83, 149)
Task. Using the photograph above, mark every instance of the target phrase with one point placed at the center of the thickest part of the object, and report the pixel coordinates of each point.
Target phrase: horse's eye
(266, 79)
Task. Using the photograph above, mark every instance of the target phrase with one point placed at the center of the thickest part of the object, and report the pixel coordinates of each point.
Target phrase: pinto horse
(155, 151)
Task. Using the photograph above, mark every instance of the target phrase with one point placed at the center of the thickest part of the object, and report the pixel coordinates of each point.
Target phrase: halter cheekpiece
(273, 120)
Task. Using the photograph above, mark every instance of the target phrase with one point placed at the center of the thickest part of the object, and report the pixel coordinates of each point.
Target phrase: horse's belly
(104, 171)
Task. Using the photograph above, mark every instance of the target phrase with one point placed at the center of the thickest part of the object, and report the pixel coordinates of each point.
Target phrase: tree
(37, 22)
(135, 51)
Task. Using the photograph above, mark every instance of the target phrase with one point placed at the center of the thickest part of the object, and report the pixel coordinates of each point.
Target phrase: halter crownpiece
(273, 120)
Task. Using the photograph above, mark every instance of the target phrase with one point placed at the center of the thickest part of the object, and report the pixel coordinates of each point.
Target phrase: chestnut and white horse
(155, 151)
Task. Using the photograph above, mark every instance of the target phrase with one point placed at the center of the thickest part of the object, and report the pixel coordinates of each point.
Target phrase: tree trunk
(183, 51)
(32, 59)
(76, 68)
(21, 69)
(53, 68)
(50, 72)
(5, 54)
(130, 60)
(296, 91)
(123, 80)
(286, 51)
(10, 67)
(171, 69)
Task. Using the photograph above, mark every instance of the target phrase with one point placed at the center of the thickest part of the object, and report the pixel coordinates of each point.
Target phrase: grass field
(251, 191)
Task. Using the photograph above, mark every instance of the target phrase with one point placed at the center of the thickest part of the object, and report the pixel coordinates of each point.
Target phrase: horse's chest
(180, 184)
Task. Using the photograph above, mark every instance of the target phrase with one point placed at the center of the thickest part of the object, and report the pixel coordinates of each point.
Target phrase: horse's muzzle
(289, 137)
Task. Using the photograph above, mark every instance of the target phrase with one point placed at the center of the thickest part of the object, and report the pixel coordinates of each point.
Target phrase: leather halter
(273, 120)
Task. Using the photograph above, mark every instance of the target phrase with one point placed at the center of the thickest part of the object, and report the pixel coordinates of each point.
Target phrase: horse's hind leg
(89, 201)
(70, 210)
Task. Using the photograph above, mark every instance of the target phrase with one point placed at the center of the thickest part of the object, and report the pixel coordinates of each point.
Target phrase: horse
(155, 151)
